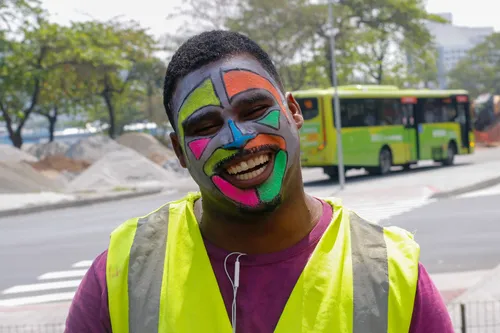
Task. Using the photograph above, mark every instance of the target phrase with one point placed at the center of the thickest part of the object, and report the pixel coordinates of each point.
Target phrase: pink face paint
(245, 197)
(198, 146)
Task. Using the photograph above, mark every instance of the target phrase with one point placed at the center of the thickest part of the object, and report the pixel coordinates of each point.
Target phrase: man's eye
(255, 112)
(206, 130)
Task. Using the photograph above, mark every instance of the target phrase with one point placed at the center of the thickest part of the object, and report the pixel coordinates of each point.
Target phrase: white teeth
(250, 175)
(246, 165)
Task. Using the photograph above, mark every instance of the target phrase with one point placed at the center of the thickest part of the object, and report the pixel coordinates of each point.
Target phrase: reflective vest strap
(370, 276)
(117, 263)
(145, 275)
(404, 255)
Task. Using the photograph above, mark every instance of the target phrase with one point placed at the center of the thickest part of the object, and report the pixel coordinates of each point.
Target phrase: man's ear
(295, 110)
(178, 149)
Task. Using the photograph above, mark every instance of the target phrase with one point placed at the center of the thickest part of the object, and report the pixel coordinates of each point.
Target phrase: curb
(76, 203)
(466, 189)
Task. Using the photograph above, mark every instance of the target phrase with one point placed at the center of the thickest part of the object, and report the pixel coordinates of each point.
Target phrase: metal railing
(475, 317)
(41, 328)
(470, 317)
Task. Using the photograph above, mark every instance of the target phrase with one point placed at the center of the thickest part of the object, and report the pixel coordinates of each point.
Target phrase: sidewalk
(16, 204)
(435, 181)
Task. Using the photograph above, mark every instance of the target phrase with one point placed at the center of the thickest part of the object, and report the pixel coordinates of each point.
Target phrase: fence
(471, 317)
(42, 328)
(475, 317)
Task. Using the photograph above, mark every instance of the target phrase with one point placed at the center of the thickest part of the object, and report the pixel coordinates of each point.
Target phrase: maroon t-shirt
(266, 282)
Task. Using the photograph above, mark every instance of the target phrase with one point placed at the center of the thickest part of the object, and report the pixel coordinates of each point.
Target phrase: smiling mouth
(254, 167)
(250, 168)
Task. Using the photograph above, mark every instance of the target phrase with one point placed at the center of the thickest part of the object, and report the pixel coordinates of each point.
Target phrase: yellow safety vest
(361, 278)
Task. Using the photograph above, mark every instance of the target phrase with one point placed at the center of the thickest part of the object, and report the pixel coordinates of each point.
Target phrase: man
(251, 253)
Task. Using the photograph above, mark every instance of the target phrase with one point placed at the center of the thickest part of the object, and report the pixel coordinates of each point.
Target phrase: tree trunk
(111, 113)
(52, 128)
(52, 123)
(17, 139)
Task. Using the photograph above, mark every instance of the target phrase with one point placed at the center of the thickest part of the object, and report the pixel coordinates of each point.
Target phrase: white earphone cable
(235, 284)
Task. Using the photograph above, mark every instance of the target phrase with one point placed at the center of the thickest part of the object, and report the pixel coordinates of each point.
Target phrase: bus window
(389, 112)
(309, 107)
(437, 110)
(352, 113)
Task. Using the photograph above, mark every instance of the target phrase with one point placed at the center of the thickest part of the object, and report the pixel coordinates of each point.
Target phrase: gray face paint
(238, 136)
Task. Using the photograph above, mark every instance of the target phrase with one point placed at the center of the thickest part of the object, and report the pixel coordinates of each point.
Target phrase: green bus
(384, 126)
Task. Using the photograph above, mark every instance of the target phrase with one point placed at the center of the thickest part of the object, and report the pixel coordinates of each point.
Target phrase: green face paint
(272, 187)
(219, 155)
(204, 95)
(272, 119)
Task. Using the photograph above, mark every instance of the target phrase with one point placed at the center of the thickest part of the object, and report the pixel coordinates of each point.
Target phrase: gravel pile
(123, 168)
(43, 150)
(93, 148)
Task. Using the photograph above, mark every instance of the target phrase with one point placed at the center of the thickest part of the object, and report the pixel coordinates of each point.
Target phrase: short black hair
(208, 47)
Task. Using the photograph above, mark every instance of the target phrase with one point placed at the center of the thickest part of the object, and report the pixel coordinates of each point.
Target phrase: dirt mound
(42, 150)
(93, 148)
(148, 146)
(10, 153)
(60, 163)
(123, 168)
(20, 177)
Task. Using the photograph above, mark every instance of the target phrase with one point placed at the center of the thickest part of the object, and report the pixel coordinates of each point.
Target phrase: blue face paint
(239, 140)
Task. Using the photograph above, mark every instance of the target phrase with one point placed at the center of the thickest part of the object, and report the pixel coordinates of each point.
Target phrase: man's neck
(272, 232)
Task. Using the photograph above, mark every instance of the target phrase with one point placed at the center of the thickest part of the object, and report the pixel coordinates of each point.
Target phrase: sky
(152, 13)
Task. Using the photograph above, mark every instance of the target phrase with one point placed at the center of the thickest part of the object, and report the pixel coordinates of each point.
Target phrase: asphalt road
(456, 234)
(33, 244)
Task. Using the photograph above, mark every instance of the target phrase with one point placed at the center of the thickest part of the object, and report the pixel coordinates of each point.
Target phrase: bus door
(463, 118)
(312, 133)
(410, 124)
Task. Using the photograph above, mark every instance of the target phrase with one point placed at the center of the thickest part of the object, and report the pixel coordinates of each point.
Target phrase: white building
(453, 42)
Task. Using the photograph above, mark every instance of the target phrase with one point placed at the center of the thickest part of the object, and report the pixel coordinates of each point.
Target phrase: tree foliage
(479, 71)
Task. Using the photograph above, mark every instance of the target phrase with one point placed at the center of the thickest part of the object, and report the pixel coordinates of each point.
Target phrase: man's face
(235, 133)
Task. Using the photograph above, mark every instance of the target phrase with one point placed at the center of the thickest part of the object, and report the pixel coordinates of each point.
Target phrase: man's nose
(239, 139)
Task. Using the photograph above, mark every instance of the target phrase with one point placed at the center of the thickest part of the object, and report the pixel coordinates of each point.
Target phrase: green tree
(61, 93)
(26, 66)
(387, 31)
(14, 13)
(479, 71)
(106, 57)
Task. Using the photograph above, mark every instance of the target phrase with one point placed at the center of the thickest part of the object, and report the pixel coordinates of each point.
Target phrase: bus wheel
(452, 151)
(384, 161)
(332, 172)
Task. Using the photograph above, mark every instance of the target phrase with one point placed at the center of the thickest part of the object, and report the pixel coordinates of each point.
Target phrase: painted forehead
(222, 80)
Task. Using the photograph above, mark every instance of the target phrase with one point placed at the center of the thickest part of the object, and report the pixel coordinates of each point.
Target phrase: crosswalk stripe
(37, 299)
(42, 286)
(83, 263)
(63, 274)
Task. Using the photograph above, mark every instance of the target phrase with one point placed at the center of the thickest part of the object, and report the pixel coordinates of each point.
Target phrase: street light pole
(338, 125)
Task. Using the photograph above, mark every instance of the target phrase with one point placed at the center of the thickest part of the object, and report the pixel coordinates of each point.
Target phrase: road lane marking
(37, 299)
(63, 274)
(42, 286)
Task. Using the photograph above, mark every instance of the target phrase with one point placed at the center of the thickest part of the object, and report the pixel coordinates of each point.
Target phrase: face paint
(232, 159)
(272, 119)
(198, 147)
(202, 96)
(239, 81)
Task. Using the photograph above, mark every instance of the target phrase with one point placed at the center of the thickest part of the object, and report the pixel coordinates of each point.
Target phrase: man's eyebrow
(252, 96)
(200, 115)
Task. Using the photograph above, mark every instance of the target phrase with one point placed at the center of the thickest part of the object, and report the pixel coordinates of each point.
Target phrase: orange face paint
(237, 81)
(266, 139)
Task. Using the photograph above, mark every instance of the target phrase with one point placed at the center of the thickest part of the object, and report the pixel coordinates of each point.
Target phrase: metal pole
(338, 125)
